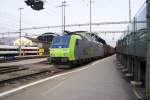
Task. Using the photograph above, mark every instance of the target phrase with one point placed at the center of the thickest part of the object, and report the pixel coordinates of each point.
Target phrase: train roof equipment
(89, 35)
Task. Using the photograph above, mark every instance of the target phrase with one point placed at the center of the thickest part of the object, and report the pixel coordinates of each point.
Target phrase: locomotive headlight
(51, 50)
(52, 54)
(66, 54)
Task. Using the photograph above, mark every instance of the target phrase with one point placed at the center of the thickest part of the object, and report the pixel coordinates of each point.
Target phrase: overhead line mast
(20, 31)
(63, 6)
(91, 15)
(129, 10)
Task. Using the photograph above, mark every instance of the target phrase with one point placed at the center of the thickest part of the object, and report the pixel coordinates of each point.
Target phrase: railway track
(33, 73)
(24, 74)
(9, 69)
(16, 76)
(19, 58)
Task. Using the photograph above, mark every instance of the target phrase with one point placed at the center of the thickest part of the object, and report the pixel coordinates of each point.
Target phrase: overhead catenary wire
(96, 32)
(84, 24)
(80, 25)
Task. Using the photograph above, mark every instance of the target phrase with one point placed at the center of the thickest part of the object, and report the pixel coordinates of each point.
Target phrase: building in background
(25, 42)
(43, 41)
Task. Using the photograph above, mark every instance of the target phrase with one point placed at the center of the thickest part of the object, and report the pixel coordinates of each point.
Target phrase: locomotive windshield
(60, 42)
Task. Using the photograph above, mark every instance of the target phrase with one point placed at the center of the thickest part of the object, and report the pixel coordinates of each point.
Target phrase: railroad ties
(9, 69)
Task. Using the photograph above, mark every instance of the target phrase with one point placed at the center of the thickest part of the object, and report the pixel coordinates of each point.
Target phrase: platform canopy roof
(46, 37)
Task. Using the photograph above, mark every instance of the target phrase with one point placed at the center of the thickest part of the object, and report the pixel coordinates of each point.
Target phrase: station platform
(23, 62)
(99, 80)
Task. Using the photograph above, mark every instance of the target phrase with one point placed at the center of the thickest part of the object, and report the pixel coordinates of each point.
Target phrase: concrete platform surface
(23, 62)
(100, 80)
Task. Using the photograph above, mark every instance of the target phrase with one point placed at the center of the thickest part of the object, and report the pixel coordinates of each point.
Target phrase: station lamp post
(20, 26)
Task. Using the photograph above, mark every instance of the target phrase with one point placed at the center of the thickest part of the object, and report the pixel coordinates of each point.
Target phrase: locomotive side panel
(85, 49)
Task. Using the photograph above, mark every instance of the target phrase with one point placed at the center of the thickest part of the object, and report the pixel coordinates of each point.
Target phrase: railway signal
(35, 4)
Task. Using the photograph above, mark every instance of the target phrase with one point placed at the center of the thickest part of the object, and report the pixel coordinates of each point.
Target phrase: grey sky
(76, 12)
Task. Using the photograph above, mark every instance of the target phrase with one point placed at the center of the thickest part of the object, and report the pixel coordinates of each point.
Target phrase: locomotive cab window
(62, 41)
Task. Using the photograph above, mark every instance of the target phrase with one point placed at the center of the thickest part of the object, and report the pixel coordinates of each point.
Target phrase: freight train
(131, 49)
(77, 47)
